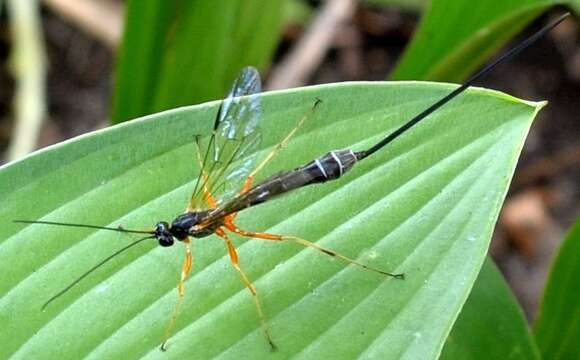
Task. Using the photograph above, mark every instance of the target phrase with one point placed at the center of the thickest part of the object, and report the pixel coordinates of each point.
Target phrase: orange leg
(228, 223)
(235, 263)
(210, 199)
(180, 293)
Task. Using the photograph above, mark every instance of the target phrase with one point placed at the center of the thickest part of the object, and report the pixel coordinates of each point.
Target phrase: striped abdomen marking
(330, 166)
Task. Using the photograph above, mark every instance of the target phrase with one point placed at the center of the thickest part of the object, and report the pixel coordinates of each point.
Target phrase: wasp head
(163, 234)
(185, 225)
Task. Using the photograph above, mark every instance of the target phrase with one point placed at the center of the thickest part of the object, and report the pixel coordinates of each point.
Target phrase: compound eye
(166, 241)
(162, 227)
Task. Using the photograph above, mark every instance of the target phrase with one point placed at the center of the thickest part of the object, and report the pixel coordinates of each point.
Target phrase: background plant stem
(28, 66)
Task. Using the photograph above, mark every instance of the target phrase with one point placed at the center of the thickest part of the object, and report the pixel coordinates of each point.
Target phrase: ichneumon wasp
(235, 134)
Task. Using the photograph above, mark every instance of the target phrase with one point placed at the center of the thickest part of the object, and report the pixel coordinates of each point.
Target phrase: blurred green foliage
(456, 36)
(491, 324)
(557, 328)
(176, 53)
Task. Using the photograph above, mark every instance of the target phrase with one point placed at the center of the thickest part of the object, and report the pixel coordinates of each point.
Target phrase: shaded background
(81, 39)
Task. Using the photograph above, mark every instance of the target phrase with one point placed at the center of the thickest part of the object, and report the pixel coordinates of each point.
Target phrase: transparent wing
(225, 162)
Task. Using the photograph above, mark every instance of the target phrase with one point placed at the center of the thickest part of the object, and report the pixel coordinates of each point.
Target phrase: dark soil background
(543, 200)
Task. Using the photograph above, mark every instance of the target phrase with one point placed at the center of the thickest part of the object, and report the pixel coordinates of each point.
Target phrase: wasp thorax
(189, 224)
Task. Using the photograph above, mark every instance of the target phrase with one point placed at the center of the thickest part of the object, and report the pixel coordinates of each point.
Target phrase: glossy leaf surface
(425, 206)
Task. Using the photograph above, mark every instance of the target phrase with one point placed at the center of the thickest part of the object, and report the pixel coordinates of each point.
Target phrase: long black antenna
(88, 272)
(509, 54)
(119, 229)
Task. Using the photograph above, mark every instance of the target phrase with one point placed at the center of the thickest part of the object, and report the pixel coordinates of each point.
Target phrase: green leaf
(491, 324)
(557, 329)
(425, 206)
(185, 52)
(457, 36)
